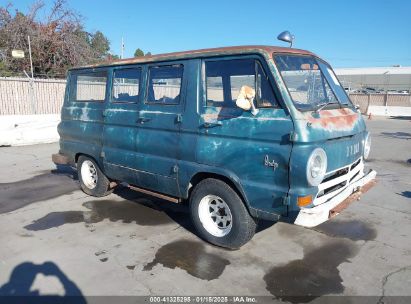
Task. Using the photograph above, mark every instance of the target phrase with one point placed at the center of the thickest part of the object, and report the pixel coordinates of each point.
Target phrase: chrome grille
(337, 180)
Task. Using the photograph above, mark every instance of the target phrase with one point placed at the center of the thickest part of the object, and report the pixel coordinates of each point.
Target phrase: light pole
(122, 48)
(19, 54)
(31, 60)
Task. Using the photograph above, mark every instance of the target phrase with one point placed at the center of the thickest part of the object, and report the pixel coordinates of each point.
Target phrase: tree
(100, 44)
(112, 57)
(58, 40)
(138, 53)
(148, 54)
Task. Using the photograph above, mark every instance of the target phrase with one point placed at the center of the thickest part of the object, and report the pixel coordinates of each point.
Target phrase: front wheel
(219, 214)
(92, 180)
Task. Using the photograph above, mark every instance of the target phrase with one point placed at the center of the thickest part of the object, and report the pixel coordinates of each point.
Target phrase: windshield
(311, 82)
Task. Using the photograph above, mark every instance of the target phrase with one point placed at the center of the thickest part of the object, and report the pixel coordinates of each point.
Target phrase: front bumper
(310, 217)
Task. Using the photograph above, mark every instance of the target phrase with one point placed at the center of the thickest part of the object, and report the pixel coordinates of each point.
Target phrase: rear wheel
(92, 179)
(219, 214)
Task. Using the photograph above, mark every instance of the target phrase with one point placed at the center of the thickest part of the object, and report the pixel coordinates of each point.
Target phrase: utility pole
(122, 48)
(32, 97)
(31, 60)
(31, 81)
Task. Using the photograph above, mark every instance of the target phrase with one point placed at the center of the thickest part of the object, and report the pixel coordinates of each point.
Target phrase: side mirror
(286, 36)
(357, 107)
(245, 100)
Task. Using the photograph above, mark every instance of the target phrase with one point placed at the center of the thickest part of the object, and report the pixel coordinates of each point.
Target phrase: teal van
(239, 133)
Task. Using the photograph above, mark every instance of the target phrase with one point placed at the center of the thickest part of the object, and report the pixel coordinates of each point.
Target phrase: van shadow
(134, 208)
(143, 210)
(22, 279)
(179, 213)
(65, 170)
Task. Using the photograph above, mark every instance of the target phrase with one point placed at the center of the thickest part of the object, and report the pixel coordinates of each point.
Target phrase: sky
(361, 33)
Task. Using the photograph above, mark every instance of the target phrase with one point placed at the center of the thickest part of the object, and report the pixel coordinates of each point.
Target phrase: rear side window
(225, 78)
(126, 85)
(164, 84)
(88, 86)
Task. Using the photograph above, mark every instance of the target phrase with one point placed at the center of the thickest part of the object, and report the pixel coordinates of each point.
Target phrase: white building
(379, 78)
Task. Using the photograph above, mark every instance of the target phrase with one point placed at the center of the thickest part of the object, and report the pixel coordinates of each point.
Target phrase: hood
(339, 132)
(327, 125)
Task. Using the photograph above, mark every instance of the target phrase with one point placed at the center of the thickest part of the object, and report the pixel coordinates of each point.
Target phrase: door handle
(143, 120)
(179, 118)
(213, 124)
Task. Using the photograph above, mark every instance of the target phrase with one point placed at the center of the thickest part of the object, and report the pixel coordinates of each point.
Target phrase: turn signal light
(303, 201)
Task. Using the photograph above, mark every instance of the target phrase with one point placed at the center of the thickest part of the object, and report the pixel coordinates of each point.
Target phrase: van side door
(255, 149)
(159, 120)
(120, 124)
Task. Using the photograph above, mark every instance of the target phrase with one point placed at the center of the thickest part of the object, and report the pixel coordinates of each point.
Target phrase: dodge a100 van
(240, 133)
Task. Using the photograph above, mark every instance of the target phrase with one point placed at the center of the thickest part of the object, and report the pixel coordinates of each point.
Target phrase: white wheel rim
(89, 174)
(215, 215)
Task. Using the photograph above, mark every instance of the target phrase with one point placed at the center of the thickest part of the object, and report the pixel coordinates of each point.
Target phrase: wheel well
(77, 156)
(198, 177)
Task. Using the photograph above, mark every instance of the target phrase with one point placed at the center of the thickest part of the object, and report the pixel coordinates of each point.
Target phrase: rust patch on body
(335, 119)
(353, 197)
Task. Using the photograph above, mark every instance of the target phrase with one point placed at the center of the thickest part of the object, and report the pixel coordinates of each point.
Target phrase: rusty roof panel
(261, 49)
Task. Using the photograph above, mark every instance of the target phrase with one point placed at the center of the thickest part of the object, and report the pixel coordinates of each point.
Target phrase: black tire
(102, 187)
(243, 225)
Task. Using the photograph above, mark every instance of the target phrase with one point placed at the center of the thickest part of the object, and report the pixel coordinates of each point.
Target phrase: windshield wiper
(323, 105)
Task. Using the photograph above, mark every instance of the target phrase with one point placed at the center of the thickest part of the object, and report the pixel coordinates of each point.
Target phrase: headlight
(367, 146)
(316, 167)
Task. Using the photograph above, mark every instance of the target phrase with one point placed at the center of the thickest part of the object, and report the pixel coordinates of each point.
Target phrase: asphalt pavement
(57, 240)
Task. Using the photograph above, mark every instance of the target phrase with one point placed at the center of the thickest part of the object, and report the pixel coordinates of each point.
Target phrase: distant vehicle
(369, 90)
(240, 133)
(348, 90)
(363, 91)
(401, 92)
(374, 90)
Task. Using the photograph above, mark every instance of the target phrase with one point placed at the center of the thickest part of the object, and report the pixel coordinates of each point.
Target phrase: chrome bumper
(311, 217)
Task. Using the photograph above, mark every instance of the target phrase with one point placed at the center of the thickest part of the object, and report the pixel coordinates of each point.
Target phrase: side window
(88, 86)
(126, 85)
(225, 78)
(164, 84)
